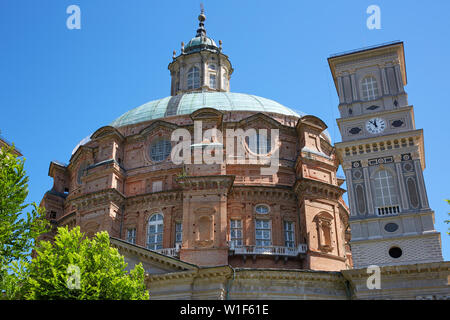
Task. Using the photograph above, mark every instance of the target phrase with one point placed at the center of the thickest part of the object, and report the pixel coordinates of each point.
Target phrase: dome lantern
(201, 65)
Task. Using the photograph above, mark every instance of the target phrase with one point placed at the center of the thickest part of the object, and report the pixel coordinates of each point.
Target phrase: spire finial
(201, 31)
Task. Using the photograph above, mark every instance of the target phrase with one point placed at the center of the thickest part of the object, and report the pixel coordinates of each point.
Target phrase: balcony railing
(269, 250)
(171, 252)
(388, 211)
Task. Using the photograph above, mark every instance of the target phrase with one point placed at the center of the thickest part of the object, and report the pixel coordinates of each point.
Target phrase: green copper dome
(200, 43)
(190, 102)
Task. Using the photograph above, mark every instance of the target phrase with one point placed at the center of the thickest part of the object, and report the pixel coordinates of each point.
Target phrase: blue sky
(58, 85)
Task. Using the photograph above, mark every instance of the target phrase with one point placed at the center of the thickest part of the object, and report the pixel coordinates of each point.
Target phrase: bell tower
(382, 154)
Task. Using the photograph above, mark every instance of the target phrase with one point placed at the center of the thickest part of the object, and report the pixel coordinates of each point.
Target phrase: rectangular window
(263, 233)
(131, 235)
(212, 81)
(289, 235)
(236, 232)
(178, 233)
(157, 186)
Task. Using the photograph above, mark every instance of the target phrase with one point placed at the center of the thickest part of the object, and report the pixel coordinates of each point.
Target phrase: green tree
(17, 230)
(76, 267)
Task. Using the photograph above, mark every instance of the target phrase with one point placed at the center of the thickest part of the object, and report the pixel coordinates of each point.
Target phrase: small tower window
(212, 81)
(395, 252)
(193, 78)
(369, 88)
(213, 67)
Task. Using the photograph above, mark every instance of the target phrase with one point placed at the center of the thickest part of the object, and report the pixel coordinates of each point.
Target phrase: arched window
(193, 78)
(155, 232)
(385, 192)
(160, 149)
(369, 88)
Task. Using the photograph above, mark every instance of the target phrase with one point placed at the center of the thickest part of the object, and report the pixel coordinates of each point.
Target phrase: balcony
(276, 251)
(388, 211)
(171, 252)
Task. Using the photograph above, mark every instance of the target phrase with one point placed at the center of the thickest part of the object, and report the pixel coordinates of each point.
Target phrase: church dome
(189, 102)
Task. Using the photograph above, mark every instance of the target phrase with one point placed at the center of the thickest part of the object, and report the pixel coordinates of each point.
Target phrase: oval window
(395, 252)
(412, 190)
(160, 150)
(262, 209)
(360, 199)
(391, 227)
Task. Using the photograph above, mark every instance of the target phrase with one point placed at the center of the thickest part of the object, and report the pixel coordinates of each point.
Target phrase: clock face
(375, 125)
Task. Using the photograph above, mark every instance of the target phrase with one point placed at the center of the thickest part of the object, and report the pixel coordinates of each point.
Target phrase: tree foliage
(18, 230)
(17, 234)
(52, 274)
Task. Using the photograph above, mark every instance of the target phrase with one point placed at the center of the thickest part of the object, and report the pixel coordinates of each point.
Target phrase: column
(351, 196)
(140, 229)
(354, 87)
(398, 76)
(341, 90)
(421, 184)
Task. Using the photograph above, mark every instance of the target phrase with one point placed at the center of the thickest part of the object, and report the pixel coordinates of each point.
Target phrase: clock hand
(375, 120)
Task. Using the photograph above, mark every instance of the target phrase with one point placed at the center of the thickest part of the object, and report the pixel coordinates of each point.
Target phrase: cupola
(201, 65)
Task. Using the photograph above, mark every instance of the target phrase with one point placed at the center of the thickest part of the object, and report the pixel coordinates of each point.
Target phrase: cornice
(155, 198)
(258, 192)
(382, 138)
(411, 269)
(93, 198)
(288, 275)
(340, 121)
(318, 189)
(195, 183)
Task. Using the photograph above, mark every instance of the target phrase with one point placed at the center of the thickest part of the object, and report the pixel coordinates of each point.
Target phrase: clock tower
(382, 154)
